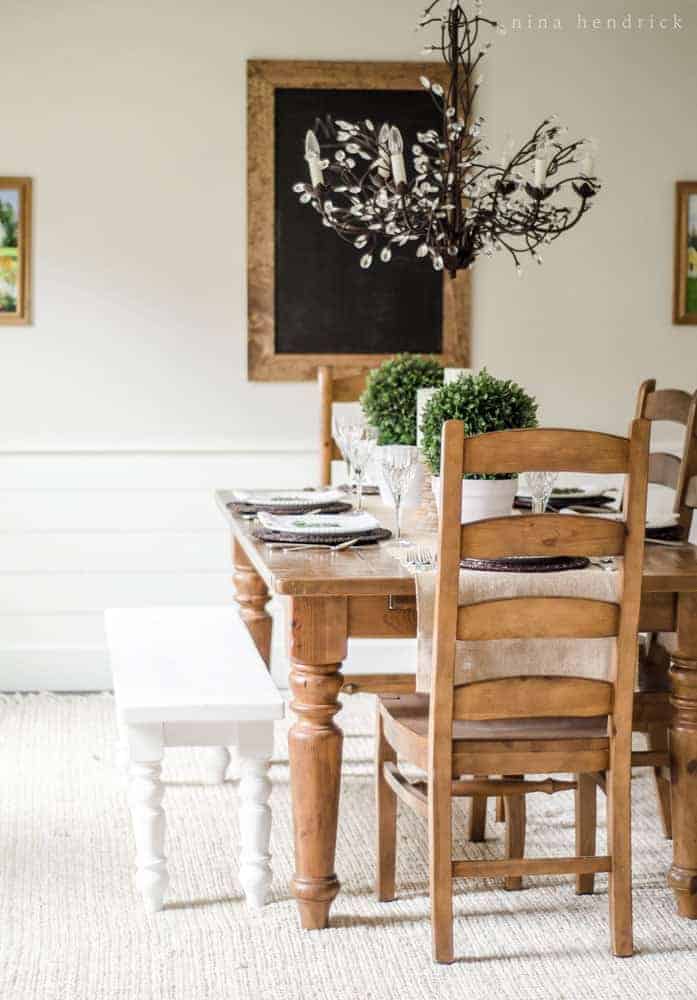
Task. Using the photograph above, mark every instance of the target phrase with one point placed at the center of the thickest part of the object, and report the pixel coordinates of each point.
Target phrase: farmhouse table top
(374, 570)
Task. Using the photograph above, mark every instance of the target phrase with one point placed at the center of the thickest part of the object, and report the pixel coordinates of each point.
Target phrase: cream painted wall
(126, 401)
(130, 117)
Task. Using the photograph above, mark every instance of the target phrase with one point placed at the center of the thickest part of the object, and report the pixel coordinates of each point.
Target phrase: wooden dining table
(367, 593)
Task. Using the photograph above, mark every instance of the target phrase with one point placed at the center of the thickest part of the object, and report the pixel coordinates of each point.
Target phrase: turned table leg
(683, 752)
(318, 641)
(252, 597)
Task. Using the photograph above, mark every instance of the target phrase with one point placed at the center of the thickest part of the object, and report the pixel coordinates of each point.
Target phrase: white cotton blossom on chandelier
(455, 206)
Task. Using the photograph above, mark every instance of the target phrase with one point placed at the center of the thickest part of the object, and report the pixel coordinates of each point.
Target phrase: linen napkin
(319, 524)
(484, 660)
(288, 497)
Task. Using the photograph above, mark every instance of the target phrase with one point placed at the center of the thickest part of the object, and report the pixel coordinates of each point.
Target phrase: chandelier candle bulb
(508, 151)
(588, 164)
(383, 160)
(540, 166)
(399, 172)
(312, 155)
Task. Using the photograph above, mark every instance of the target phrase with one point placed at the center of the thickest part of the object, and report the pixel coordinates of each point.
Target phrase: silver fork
(300, 546)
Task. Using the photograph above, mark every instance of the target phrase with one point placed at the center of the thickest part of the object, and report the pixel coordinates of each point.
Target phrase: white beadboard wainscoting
(81, 531)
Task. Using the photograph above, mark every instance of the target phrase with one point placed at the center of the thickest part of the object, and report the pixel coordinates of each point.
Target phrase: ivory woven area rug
(72, 927)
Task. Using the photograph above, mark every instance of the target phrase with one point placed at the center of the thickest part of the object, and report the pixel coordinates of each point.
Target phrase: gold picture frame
(15, 250)
(264, 77)
(685, 283)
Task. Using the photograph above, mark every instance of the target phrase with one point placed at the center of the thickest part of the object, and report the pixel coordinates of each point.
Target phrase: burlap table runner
(514, 657)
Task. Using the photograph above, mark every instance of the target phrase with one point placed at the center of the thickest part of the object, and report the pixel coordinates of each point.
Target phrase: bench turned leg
(145, 795)
(220, 763)
(255, 829)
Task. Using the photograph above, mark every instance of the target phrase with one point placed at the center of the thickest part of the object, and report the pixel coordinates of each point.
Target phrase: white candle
(384, 158)
(399, 172)
(422, 398)
(453, 374)
(588, 164)
(312, 155)
(540, 165)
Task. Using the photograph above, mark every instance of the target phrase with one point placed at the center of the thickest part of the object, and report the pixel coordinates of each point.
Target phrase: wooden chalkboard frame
(263, 78)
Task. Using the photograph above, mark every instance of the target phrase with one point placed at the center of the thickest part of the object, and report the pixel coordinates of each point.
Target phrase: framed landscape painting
(15, 249)
(685, 293)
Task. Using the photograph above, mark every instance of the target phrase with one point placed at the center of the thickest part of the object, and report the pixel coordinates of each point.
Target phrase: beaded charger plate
(600, 500)
(667, 533)
(527, 564)
(335, 507)
(293, 538)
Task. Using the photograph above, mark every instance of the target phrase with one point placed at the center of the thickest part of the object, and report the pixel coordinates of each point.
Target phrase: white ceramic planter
(412, 497)
(482, 497)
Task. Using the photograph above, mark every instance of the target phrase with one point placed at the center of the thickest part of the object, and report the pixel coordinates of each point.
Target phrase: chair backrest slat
(548, 449)
(534, 697)
(668, 404)
(542, 535)
(538, 618)
(664, 469)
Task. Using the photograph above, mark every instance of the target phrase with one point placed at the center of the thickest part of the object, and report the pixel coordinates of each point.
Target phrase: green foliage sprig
(389, 400)
(8, 225)
(484, 404)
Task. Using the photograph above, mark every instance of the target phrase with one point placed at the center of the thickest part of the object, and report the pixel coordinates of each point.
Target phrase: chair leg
(657, 739)
(386, 816)
(620, 849)
(441, 868)
(221, 762)
(586, 824)
(514, 806)
(477, 817)
(145, 794)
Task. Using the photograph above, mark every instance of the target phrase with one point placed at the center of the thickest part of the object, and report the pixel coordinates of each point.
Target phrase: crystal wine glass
(540, 486)
(398, 467)
(361, 441)
(342, 429)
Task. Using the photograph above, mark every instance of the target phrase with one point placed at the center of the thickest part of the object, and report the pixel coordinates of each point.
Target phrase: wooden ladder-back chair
(334, 387)
(679, 474)
(528, 724)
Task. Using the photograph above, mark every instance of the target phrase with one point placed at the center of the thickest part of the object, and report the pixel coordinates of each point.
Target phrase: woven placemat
(670, 533)
(560, 503)
(528, 564)
(362, 538)
(335, 507)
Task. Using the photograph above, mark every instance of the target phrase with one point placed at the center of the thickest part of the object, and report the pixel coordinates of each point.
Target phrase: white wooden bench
(192, 677)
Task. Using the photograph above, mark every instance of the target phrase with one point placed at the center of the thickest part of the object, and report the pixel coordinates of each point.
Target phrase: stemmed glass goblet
(361, 440)
(398, 467)
(342, 429)
(540, 486)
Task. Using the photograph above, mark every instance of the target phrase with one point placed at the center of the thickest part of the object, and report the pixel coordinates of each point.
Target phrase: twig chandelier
(456, 205)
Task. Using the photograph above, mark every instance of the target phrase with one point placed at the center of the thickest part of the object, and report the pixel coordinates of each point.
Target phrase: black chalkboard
(325, 303)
